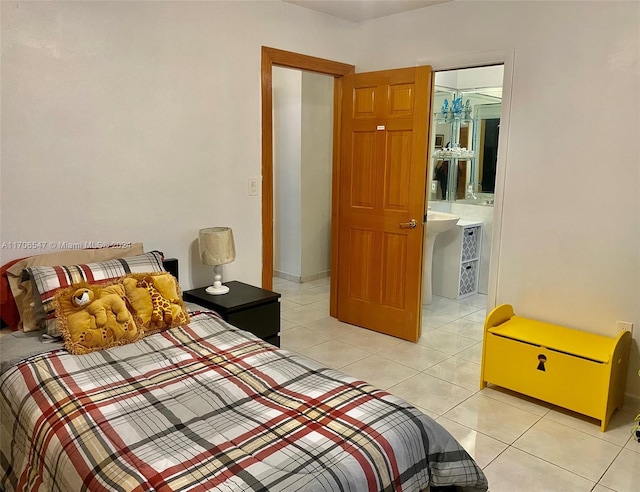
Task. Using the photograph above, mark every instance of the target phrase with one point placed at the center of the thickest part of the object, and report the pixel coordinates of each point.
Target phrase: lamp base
(215, 291)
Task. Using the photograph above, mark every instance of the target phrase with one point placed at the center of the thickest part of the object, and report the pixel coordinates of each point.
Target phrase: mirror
(464, 137)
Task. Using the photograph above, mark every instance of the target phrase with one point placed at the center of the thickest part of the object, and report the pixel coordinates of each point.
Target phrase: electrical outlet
(433, 187)
(253, 186)
(625, 326)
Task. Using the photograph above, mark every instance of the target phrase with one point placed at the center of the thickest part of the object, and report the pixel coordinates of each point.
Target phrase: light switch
(253, 186)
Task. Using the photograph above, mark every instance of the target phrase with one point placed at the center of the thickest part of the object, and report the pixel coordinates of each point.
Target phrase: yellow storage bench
(580, 371)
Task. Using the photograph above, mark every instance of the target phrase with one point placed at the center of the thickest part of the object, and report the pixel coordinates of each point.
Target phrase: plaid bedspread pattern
(210, 407)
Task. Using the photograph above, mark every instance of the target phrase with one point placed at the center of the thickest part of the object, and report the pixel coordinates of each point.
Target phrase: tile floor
(522, 444)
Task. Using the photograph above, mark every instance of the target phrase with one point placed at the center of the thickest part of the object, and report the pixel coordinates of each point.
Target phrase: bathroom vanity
(456, 260)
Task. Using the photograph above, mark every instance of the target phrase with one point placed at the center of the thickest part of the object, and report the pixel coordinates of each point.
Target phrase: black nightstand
(245, 306)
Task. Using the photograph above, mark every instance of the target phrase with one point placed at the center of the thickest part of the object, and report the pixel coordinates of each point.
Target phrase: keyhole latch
(541, 360)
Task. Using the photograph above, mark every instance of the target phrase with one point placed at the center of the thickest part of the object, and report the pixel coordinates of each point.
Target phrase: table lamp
(216, 248)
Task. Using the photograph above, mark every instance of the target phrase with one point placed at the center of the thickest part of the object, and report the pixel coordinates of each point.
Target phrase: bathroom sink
(438, 222)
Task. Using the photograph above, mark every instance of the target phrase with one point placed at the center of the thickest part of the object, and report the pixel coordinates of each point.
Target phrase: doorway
(467, 107)
(273, 57)
(302, 134)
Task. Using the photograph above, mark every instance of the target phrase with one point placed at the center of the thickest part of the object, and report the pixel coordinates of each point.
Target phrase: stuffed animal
(94, 317)
(155, 300)
(160, 305)
(110, 300)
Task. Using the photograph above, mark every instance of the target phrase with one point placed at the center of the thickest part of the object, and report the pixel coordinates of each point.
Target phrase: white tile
(624, 473)
(446, 342)
(302, 315)
(431, 414)
(432, 319)
(287, 288)
(321, 286)
(633, 445)
(413, 355)
(457, 371)
(478, 316)
(493, 418)
(371, 341)
(286, 305)
(517, 471)
(618, 431)
(320, 306)
(477, 300)
(444, 306)
(379, 372)
(473, 353)
(323, 282)
(465, 328)
(279, 281)
(483, 449)
(518, 400)
(431, 393)
(286, 325)
(600, 488)
(299, 338)
(305, 297)
(568, 448)
(335, 353)
(334, 328)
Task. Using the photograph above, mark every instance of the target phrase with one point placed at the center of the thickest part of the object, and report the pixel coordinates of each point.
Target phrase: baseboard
(301, 279)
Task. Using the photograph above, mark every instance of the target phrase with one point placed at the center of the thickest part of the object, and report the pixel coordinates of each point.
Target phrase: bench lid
(560, 338)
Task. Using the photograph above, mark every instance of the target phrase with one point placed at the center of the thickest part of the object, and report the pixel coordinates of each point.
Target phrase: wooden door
(382, 190)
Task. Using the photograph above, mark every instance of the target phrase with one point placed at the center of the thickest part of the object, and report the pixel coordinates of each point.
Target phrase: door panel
(382, 188)
(401, 100)
(394, 252)
(360, 268)
(397, 170)
(364, 148)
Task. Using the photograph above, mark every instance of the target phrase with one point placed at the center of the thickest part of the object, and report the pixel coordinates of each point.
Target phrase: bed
(206, 406)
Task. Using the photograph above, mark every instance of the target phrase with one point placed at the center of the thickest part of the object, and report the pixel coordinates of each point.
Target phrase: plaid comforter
(210, 407)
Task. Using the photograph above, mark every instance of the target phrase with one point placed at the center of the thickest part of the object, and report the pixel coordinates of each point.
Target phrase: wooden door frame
(274, 57)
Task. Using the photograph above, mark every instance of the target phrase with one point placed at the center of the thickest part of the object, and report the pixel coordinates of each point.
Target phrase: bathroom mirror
(464, 134)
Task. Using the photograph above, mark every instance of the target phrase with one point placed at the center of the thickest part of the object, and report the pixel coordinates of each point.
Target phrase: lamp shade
(216, 245)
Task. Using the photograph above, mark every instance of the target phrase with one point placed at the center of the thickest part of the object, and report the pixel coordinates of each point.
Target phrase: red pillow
(8, 309)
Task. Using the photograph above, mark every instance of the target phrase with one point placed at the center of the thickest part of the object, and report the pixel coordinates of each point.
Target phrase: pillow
(8, 308)
(23, 292)
(46, 280)
(94, 317)
(156, 301)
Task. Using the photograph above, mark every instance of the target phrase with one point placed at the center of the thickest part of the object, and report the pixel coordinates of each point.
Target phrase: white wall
(287, 172)
(317, 150)
(140, 121)
(570, 243)
(303, 144)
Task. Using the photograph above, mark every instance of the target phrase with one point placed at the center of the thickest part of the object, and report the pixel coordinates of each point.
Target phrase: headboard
(171, 266)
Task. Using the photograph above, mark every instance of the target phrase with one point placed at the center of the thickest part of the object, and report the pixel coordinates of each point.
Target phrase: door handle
(408, 225)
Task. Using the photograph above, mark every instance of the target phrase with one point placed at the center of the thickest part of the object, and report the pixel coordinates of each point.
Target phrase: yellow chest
(580, 371)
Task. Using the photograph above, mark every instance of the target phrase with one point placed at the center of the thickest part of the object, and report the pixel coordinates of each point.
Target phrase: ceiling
(363, 10)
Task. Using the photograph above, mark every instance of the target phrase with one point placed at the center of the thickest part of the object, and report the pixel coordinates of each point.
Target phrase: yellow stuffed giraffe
(160, 305)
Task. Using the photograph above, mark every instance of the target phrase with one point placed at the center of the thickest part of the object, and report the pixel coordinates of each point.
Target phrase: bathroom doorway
(464, 136)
